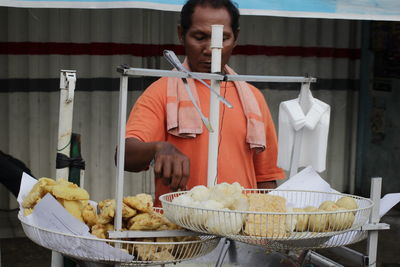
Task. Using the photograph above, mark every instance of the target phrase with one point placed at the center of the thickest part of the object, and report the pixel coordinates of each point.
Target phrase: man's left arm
(267, 185)
(266, 169)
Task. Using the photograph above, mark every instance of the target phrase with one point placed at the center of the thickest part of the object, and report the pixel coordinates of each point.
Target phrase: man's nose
(207, 49)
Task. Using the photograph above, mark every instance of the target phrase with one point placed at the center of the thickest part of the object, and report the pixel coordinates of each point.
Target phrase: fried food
(145, 252)
(107, 211)
(89, 215)
(341, 220)
(37, 192)
(99, 230)
(348, 203)
(140, 202)
(74, 207)
(318, 222)
(167, 247)
(145, 221)
(266, 225)
(27, 212)
(69, 191)
(127, 212)
(328, 206)
(163, 255)
(154, 252)
(301, 221)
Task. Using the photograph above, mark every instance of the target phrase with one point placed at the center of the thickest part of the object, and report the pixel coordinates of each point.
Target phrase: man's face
(197, 40)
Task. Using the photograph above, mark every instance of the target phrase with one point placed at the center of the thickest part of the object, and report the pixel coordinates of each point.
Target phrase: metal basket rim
(371, 203)
(208, 237)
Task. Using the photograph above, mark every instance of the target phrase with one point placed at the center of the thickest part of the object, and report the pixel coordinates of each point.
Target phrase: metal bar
(350, 255)
(67, 90)
(145, 234)
(372, 244)
(375, 226)
(213, 136)
(214, 76)
(321, 261)
(67, 86)
(121, 151)
(223, 252)
(278, 79)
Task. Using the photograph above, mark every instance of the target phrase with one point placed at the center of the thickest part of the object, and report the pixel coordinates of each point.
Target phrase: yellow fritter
(168, 247)
(144, 221)
(74, 207)
(107, 211)
(99, 230)
(145, 252)
(163, 255)
(37, 192)
(89, 215)
(127, 212)
(266, 225)
(69, 192)
(27, 212)
(140, 202)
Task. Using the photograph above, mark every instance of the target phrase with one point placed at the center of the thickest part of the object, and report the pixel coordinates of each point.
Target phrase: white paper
(309, 179)
(49, 214)
(388, 202)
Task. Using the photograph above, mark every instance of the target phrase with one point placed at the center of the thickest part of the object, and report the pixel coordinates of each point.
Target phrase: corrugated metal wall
(29, 99)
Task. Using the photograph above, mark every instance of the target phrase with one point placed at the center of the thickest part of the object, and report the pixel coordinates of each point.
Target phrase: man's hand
(267, 185)
(171, 165)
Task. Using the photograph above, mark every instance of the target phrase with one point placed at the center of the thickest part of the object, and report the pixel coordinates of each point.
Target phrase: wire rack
(278, 230)
(145, 252)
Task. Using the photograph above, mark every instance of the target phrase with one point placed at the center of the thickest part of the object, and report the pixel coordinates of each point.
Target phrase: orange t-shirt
(236, 161)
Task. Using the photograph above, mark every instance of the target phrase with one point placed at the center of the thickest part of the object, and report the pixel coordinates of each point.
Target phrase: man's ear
(180, 33)
(237, 36)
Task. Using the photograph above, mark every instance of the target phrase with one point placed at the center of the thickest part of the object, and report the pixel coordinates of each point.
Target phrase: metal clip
(68, 81)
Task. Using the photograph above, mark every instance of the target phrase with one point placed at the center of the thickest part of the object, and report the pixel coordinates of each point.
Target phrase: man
(155, 132)
(11, 170)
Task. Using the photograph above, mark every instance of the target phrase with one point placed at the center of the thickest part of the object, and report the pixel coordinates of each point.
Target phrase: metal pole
(123, 93)
(216, 49)
(372, 244)
(67, 88)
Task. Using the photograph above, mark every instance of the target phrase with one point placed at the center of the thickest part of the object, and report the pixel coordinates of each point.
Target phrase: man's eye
(199, 38)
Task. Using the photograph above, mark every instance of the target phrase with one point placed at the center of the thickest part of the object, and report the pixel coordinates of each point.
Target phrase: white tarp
(341, 9)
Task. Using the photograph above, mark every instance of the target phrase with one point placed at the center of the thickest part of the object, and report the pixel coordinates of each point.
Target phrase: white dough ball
(318, 222)
(328, 206)
(348, 203)
(340, 221)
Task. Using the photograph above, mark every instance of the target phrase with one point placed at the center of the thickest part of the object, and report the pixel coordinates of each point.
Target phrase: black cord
(9, 210)
(220, 128)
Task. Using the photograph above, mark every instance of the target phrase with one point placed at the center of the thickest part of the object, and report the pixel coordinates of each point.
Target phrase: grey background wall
(37, 43)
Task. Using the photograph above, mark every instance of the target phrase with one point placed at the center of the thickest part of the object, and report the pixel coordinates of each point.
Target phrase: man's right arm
(170, 164)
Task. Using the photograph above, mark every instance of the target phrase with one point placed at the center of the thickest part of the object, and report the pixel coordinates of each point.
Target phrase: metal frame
(127, 72)
(373, 226)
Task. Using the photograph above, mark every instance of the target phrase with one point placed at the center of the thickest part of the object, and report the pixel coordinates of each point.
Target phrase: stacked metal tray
(277, 230)
(92, 249)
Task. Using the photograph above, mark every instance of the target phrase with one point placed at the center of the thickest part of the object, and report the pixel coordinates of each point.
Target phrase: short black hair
(189, 6)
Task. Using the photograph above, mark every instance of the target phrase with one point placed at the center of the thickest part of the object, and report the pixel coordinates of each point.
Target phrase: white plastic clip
(68, 81)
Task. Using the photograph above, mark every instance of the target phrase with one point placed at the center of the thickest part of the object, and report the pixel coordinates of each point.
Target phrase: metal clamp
(68, 81)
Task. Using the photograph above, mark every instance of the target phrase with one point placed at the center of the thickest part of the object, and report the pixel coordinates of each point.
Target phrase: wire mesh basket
(129, 253)
(278, 230)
